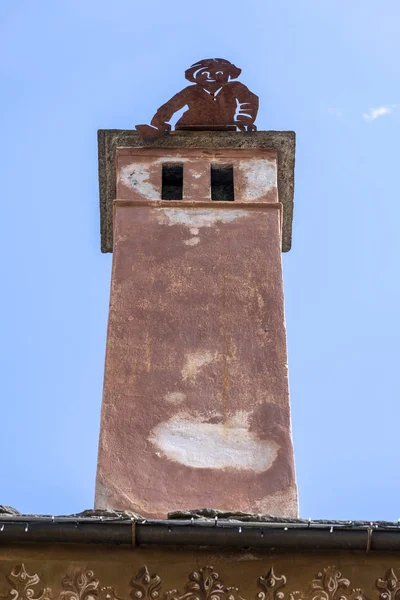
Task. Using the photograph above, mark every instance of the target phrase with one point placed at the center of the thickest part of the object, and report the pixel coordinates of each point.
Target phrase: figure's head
(212, 71)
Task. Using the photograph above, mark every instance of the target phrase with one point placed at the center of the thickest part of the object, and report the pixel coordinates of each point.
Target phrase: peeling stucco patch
(195, 361)
(175, 397)
(230, 444)
(136, 176)
(260, 177)
(195, 218)
(192, 242)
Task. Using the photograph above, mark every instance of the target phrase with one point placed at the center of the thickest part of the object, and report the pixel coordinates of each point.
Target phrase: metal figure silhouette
(214, 101)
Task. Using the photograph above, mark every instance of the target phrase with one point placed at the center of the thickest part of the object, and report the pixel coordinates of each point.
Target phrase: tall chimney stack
(196, 403)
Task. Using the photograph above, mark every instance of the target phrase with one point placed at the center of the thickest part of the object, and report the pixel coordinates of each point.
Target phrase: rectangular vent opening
(222, 187)
(172, 181)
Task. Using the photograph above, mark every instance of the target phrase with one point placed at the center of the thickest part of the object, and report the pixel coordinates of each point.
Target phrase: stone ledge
(197, 516)
(110, 139)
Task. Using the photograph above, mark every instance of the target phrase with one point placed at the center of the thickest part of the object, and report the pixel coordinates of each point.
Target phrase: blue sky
(327, 69)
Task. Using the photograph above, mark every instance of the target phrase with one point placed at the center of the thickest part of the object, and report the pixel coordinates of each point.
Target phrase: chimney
(196, 406)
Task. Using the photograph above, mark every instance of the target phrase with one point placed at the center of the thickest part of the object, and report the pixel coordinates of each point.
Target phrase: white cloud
(380, 111)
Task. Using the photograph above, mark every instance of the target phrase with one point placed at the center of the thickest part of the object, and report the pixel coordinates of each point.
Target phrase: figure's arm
(247, 108)
(165, 112)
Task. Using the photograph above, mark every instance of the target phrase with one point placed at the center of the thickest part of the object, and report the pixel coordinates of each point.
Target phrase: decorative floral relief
(79, 585)
(145, 586)
(271, 585)
(204, 584)
(23, 583)
(390, 586)
(330, 585)
(107, 593)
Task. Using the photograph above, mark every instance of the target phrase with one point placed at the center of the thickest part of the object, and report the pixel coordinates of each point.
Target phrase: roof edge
(291, 534)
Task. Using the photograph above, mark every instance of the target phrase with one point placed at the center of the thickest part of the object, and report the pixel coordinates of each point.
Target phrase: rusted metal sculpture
(214, 102)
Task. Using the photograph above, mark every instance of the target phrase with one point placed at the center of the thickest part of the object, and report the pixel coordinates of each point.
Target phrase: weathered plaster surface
(191, 241)
(194, 361)
(194, 441)
(196, 405)
(259, 177)
(139, 173)
(137, 176)
(175, 397)
(201, 218)
(281, 141)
